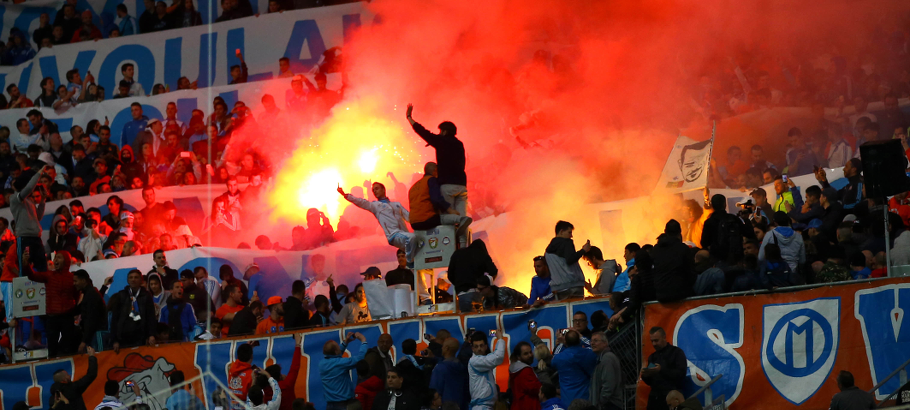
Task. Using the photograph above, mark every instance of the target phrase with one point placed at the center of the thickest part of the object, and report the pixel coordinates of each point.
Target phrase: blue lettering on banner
(207, 60)
(799, 346)
(24, 78)
(218, 355)
(712, 335)
(400, 331)
(882, 312)
(234, 42)
(83, 61)
(185, 107)
(49, 69)
(312, 343)
(304, 31)
(173, 62)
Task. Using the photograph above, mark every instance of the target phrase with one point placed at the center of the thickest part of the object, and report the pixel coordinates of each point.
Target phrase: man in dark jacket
(321, 316)
(467, 265)
(715, 239)
(450, 160)
(833, 214)
(665, 370)
(168, 275)
(196, 295)
(296, 314)
(91, 309)
(852, 193)
(246, 320)
(133, 319)
(673, 265)
(73, 390)
(404, 399)
(850, 396)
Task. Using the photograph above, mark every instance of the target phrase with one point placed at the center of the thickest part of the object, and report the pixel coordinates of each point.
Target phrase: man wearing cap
(152, 135)
(275, 322)
(133, 127)
(100, 176)
(673, 271)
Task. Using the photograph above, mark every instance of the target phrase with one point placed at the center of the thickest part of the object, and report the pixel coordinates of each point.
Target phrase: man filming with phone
(481, 367)
(665, 370)
(71, 390)
(335, 371)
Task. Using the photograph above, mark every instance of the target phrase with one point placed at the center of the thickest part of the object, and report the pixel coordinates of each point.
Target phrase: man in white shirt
(319, 286)
(128, 70)
(481, 369)
(22, 140)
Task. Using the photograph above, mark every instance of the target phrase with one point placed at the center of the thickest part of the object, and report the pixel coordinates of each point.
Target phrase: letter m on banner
(881, 313)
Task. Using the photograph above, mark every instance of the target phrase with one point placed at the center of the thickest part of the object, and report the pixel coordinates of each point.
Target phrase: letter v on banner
(882, 314)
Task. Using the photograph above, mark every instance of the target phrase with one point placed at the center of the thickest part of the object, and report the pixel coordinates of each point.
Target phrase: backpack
(729, 238)
(778, 275)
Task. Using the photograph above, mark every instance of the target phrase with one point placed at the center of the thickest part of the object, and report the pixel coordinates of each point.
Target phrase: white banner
(686, 168)
(203, 53)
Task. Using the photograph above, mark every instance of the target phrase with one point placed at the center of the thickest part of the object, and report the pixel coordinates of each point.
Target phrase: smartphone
(785, 178)
(185, 154)
(562, 332)
(471, 331)
(492, 332)
(425, 352)
(427, 336)
(129, 384)
(532, 324)
(651, 365)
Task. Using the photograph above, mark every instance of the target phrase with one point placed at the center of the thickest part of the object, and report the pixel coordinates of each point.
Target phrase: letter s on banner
(712, 335)
(881, 313)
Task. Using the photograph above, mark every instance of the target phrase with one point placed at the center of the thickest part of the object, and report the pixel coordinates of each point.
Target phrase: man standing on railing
(450, 160)
(665, 370)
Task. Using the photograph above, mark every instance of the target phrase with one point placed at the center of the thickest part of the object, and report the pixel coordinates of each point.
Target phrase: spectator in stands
(161, 269)
(784, 201)
(450, 160)
(296, 314)
(392, 217)
(61, 302)
(207, 283)
(228, 310)
(182, 397)
(74, 390)
(676, 401)
(322, 316)
(540, 283)
(665, 371)
(241, 373)
(319, 229)
(88, 27)
(575, 365)
(123, 91)
(44, 30)
(790, 242)
(91, 308)
(804, 212)
(239, 73)
(275, 322)
(800, 159)
(112, 395)
(19, 50)
(428, 209)
(606, 381)
(48, 95)
(196, 295)
(483, 363)
(226, 274)
(246, 320)
(178, 315)
(228, 11)
(222, 223)
(125, 23)
(189, 17)
(133, 127)
(466, 266)
(369, 386)
(296, 98)
(850, 396)
(499, 297)
(833, 212)
(153, 135)
(523, 381)
(284, 66)
(852, 193)
(133, 320)
(27, 207)
(356, 310)
(400, 275)
(562, 259)
(334, 371)
(674, 273)
(450, 376)
(723, 233)
(394, 397)
(734, 166)
(162, 20)
(16, 98)
(128, 70)
(160, 295)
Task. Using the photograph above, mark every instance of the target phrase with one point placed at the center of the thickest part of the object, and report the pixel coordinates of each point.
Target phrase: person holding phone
(335, 371)
(27, 207)
(665, 370)
(481, 366)
(69, 391)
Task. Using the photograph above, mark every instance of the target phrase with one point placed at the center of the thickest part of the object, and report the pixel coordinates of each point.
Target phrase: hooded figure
(131, 167)
(469, 264)
(790, 242)
(21, 50)
(67, 241)
(61, 302)
(674, 273)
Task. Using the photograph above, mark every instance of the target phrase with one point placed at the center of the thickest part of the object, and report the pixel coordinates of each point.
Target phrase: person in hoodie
(674, 273)
(20, 51)
(606, 272)
(568, 281)
(450, 376)
(60, 239)
(240, 374)
(523, 381)
(178, 315)
(91, 309)
(481, 368)
(549, 398)
(73, 390)
(392, 217)
(575, 365)
(61, 303)
(790, 242)
(466, 266)
(130, 166)
(369, 386)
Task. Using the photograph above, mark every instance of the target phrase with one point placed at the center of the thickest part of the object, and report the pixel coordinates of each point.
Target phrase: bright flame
(355, 145)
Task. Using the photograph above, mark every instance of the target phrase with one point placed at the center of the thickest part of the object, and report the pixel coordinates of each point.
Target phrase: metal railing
(902, 371)
(626, 345)
(709, 396)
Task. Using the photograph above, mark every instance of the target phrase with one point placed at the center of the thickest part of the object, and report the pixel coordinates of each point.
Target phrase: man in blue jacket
(450, 376)
(575, 365)
(178, 315)
(335, 372)
(134, 127)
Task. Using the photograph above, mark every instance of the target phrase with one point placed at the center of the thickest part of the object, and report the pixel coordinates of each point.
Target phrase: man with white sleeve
(481, 369)
(392, 218)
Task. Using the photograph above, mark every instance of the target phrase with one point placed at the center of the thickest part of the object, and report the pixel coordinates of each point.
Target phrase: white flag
(687, 167)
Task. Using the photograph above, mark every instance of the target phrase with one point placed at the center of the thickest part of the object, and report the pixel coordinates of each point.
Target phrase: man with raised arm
(335, 372)
(450, 160)
(392, 218)
(481, 367)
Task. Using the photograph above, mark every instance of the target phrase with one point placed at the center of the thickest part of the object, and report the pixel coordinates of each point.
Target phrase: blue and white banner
(203, 53)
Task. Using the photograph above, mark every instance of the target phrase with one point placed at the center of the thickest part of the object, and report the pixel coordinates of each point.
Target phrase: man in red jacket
(285, 383)
(522, 380)
(61, 302)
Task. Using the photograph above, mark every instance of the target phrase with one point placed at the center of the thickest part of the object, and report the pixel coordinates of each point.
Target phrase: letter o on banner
(145, 67)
